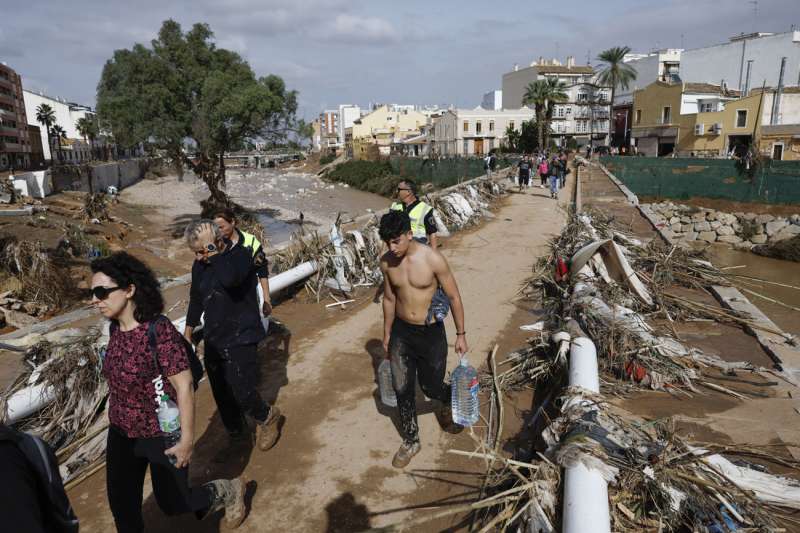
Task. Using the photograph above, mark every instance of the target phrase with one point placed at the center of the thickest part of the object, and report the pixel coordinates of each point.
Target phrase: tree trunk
(206, 169)
(540, 129)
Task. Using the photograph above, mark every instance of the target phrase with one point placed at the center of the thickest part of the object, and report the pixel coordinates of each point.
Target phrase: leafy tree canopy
(183, 88)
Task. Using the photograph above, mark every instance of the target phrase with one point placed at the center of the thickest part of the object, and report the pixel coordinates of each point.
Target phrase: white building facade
(474, 132)
(348, 114)
(67, 115)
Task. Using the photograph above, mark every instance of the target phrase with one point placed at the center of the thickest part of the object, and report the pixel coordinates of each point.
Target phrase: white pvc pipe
(31, 399)
(585, 490)
(291, 276)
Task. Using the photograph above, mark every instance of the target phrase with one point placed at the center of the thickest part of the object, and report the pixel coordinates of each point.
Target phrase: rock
(676, 227)
(759, 229)
(702, 226)
(744, 246)
(750, 216)
(726, 219)
(758, 239)
(732, 239)
(711, 216)
(795, 219)
(763, 219)
(708, 236)
(736, 227)
(698, 217)
(18, 320)
(787, 232)
(685, 220)
(674, 220)
(690, 236)
(687, 227)
(775, 226)
(715, 224)
(725, 230)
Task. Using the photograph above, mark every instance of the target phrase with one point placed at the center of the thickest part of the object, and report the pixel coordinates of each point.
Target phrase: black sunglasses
(101, 293)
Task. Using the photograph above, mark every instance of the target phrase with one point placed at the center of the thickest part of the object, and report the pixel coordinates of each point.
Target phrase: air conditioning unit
(699, 129)
(716, 129)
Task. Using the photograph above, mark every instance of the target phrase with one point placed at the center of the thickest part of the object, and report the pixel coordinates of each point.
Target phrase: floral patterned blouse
(130, 370)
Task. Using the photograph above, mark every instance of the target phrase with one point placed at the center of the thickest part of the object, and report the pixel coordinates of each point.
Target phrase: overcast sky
(355, 51)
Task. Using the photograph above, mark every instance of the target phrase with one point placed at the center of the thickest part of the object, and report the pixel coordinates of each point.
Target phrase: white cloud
(353, 29)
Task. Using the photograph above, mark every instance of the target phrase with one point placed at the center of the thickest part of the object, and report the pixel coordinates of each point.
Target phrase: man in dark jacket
(224, 288)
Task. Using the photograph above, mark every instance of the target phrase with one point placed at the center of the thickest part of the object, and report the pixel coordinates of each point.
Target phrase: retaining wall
(96, 178)
(775, 182)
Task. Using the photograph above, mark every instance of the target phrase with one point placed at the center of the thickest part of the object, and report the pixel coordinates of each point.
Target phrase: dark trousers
(417, 352)
(233, 375)
(543, 178)
(126, 463)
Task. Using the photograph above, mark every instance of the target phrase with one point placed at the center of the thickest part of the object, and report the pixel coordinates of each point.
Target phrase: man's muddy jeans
(417, 351)
(233, 375)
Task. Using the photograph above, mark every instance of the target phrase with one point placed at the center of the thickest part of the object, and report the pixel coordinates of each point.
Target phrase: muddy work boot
(229, 495)
(267, 432)
(444, 414)
(405, 453)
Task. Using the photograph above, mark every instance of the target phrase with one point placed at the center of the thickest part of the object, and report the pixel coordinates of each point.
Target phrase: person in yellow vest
(423, 227)
(226, 220)
(423, 223)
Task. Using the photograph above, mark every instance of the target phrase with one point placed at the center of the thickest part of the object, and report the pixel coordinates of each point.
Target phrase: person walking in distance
(524, 172)
(224, 288)
(423, 221)
(416, 347)
(125, 291)
(543, 171)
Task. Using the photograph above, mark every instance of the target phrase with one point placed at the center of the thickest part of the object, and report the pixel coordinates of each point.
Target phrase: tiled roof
(708, 88)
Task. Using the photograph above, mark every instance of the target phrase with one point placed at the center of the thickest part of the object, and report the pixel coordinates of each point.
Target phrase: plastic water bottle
(388, 396)
(464, 381)
(169, 420)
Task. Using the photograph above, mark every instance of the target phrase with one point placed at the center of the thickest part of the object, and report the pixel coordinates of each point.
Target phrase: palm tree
(535, 95)
(59, 134)
(555, 91)
(615, 73)
(87, 127)
(543, 94)
(46, 117)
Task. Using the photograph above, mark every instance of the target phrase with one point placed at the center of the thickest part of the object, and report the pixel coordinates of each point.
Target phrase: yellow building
(707, 120)
(373, 134)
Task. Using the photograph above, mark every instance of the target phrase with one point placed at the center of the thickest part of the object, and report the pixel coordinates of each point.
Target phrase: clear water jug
(169, 420)
(385, 384)
(464, 381)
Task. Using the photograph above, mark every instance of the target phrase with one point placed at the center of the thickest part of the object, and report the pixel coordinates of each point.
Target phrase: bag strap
(152, 342)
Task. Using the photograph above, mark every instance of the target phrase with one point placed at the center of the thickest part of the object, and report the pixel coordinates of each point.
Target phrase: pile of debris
(658, 481)
(347, 259)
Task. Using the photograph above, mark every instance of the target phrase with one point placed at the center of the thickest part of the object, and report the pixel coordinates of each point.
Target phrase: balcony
(6, 99)
(13, 147)
(8, 84)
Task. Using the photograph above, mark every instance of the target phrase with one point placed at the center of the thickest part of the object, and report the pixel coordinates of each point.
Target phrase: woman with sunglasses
(125, 291)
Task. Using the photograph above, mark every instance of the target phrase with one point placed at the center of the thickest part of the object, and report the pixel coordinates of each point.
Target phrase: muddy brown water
(766, 268)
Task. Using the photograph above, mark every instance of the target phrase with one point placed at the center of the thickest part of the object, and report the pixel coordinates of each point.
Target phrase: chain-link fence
(774, 182)
(444, 172)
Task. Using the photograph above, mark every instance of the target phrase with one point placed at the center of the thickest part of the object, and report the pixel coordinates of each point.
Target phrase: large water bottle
(388, 396)
(464, 381)
(169, 419)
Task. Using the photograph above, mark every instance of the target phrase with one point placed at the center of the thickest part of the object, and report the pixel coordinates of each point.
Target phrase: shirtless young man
(411, 273)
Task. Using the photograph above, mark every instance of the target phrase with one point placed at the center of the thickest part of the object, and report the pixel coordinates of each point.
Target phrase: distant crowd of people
(552, 171)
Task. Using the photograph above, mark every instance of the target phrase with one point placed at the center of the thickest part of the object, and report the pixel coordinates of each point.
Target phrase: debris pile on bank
(744, 230)
(347, 259)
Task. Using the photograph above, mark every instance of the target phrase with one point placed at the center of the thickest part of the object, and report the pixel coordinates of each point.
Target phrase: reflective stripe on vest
(417, 216)
(251, 242)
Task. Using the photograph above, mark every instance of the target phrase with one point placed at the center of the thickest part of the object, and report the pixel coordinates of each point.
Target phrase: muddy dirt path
(331, 470)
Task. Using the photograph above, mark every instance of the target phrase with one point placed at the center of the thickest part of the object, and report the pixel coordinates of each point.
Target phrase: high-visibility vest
(249, 241)
(417, 216)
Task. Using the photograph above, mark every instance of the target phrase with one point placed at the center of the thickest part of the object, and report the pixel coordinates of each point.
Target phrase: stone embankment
(686, 224)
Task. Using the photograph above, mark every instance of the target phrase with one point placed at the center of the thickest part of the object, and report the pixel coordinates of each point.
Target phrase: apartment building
(15, 147)
(374, 134)
(584, 117)
(492, 100)
(67, 114)
(474, 132)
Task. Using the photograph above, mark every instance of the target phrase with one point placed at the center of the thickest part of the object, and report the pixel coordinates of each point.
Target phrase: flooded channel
(787, 273)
